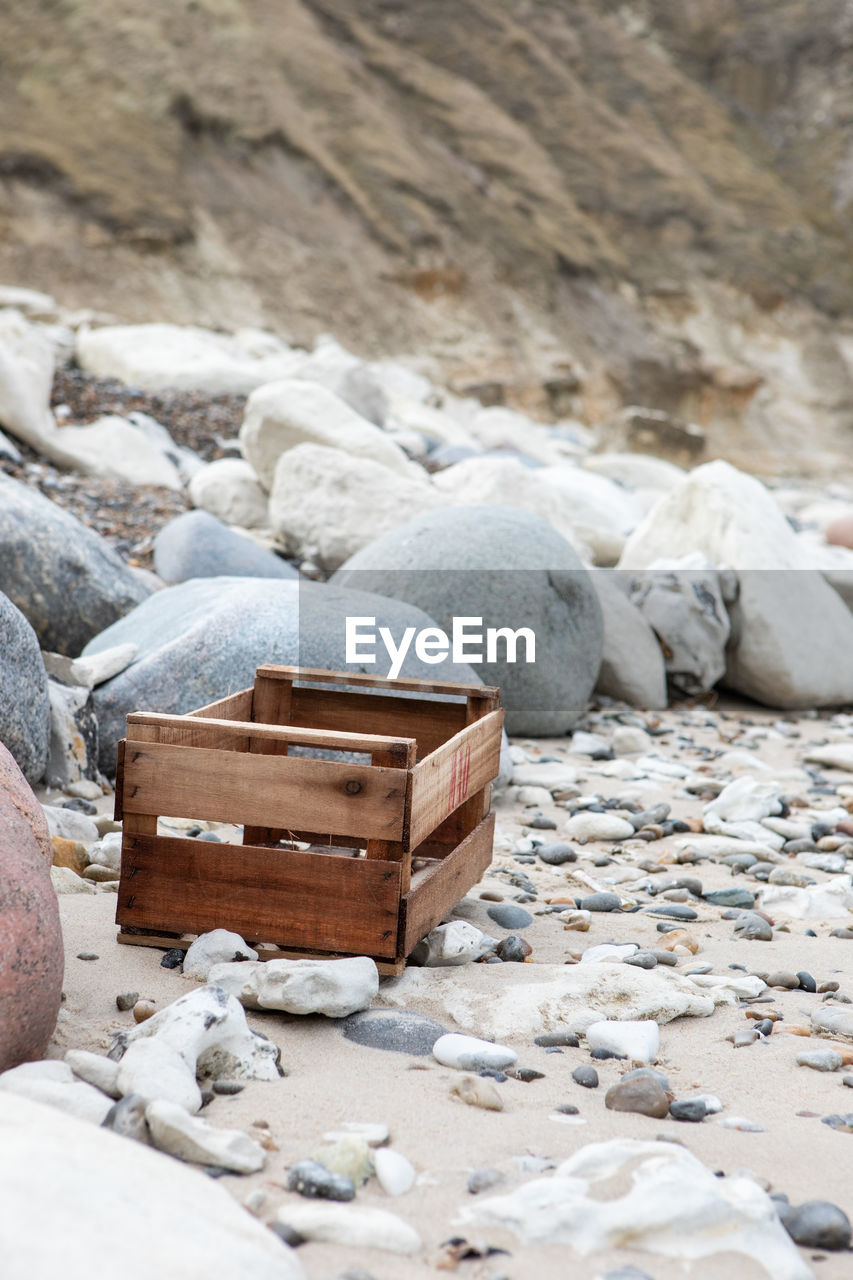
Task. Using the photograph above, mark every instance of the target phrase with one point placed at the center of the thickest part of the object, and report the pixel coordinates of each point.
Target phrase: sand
(330, 1080)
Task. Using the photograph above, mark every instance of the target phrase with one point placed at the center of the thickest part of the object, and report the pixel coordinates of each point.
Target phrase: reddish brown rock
(840, 532)
(31, 952)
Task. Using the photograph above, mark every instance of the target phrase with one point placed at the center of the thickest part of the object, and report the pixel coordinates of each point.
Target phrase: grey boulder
(66, 580)
(197, 545)
(512, 570)
(24, 703)
(686, 610)
(203, 640)
(632, 665)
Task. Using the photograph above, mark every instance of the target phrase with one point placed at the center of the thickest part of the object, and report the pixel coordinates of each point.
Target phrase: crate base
(181, 942)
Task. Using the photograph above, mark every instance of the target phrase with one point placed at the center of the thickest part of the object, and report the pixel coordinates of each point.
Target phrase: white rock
(456, 942)
(838, 755)
(834, 1021)
(470, 1054)
(26, 376)
(673, 1206)
(186, 1137)
(335, 988)
(554, 776)
(54, 1084)
(351, 1225)
(291, 412)
(533, 797)
(607, 951)
(635, 470)
(587, 744)
(94, 1069)
(220, 946)
(375, 1135)
(229, 489)
(326, 504)
(682, 601)
(638, 1041)
(29, 301)
(184, 358)
(52, 1168)
(630, 740)
(92, 670)
(533, 999)
(350, 378)
(107, 851)
(828, 901)
(70, 825)
(113, 446)
(64, 880)
(743, 800)
(720, 846)
(433, 424)
(597, 826)
(73, 750)
(394, 1172)
(204, 1034)
(744, 986)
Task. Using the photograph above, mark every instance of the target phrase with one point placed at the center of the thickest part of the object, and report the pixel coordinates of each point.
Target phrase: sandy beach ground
(330, 1080)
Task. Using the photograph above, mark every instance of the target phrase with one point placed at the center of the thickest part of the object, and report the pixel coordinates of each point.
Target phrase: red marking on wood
(460, 772)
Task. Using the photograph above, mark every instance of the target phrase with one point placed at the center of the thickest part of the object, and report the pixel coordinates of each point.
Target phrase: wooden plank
(295, 899)
(183, 731)
(453, 774)
(355, 800)
(427, 720)
(435, 891)
(378, 682)
(167, 941)
(117, 809)
(238, 706)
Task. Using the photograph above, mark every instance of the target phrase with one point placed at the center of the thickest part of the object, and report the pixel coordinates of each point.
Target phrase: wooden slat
(355, 800)
(237, 706)
(377, 682)
(183, 731)
(297, 899)
(117, 810)
(435, 891)
(453, 774)
(430, 722)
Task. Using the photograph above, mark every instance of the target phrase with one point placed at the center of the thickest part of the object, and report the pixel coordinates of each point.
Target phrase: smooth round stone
(394, 1173)
(556, 854)
(806, 981)
(691, 1109)
(783, 978)
(601, 1055)
(483, 1180)
(470, 1054)
(509, 916)
(601, 902)
(752, 926)
(665, 957)
(730, 898)
(626, 1273)
(642, 1095)
(843, 932)
(817, 1224)
(820, 1059)
(553, 1039)
(541, 823)
(397, 1030)
(589, 825)
(848, 1081)
(312, 1179)
(674, 912)
(586, 1076)
(844, 1124)
(642, 960)
(514, 949)
(126, 1000)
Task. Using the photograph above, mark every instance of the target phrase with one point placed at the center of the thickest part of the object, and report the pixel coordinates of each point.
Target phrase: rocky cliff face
(581, 204)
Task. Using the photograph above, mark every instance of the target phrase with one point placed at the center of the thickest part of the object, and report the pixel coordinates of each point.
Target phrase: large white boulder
(185, 358)
(75, 1195)
(327, 504)
(791, 639)
(337, 369)
(335, 988)
(290, 412)
(26, 377)
(112, 446)
(229, 489)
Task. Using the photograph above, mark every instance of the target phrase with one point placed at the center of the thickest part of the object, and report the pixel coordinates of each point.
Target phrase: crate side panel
(238, 706)
(318, 675)
(441, 887)
(453, 774)
(294, 899)
(265, 791)
(431, 723)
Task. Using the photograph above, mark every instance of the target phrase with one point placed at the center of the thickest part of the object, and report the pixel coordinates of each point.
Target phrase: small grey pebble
(692, 1109)
(642, 960)
(525, 1074)
(210, 835)
(626, 1273)
(509, 916)
(586, 1076)
(566, 1109)
(87, 955)
(551, 1038)
(483, 1179)
(227, 1087)
(601, 1055)
(817, 1224)
(79, 805)
(807, 982)
(172, 959)
(848, 1080)
(513, 950)
(288, 1234)
(601, 902)
(490, 1073)
(540, 823)
(556, 854)
(216, 1171)
(127, 1000)
(356, 1273)
(312, 1179)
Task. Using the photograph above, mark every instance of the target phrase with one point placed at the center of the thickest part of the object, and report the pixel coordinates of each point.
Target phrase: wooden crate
(418, 813)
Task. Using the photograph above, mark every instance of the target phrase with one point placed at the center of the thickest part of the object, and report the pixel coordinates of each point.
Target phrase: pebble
(690, 1109)
(741, 1039)
(396, 1030)
(312, 1179)
(598, 826)
(806, 981)
(126, 1000)
(642, 1095)
(783, 978)
(754, 927)
(642, 960)
(509, 916)
(817, 1224)
(556, 854)
(730, 898)
(477, 1092)
(172, 959)
(87, 955)
(541, 823)
(227, 1088)
(626, 1273)
(820, 1059)
(514, 949)
(844, 1124)
(394, 1173)
(601, 902)
(586, 1076)
(551, 1039)
(526, 1074)
(470, 1054)
(674, 912)
(483, 1180)
(143, 1010)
